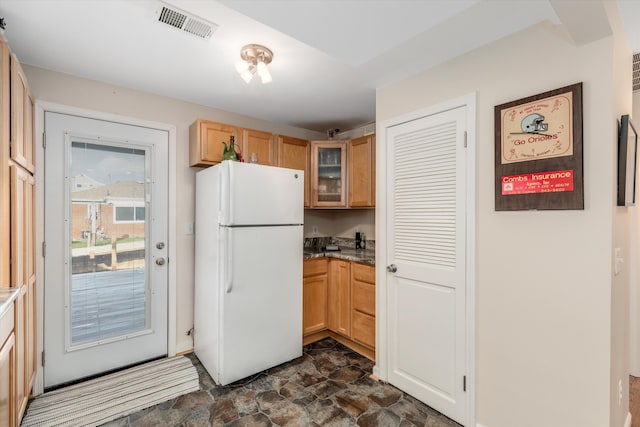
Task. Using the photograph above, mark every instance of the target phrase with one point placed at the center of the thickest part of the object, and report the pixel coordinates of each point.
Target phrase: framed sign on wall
(627, 162)
(538, 152)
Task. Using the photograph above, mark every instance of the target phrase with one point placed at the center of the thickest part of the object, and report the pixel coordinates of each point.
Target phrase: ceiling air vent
(636, 71)
(186, 22)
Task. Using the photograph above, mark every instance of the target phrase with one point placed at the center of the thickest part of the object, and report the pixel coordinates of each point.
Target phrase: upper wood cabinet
(17, 226)
(328, 174)
(362, 172)
(339, 297)
(294, 153)
(205, 141)
(262, 144)
(5, 180)
(22, 227)
(22, 143)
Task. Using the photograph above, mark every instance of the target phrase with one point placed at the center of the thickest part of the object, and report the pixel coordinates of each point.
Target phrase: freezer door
(254, 194)
(261, 300)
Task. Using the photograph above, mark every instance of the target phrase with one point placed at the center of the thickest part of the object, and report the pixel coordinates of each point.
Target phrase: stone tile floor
(328, 386)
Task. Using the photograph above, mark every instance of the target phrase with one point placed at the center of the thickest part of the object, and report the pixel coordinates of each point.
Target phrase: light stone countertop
(7, 295)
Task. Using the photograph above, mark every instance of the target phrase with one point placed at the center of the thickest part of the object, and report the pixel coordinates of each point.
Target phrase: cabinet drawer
(313, 267)
(6, 325)
(363, 328)
(363, 297)
(363, 273)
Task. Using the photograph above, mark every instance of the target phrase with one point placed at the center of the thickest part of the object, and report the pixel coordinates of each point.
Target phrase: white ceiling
(329, 55)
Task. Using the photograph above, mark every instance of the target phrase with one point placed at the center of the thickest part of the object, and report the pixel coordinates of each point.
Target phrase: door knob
(160, 261)
(392, 268)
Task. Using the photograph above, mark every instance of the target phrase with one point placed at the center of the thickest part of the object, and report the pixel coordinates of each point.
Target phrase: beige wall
(73, 91)
(634, 256)
(543, 280)
(620, 287)
(340, 223)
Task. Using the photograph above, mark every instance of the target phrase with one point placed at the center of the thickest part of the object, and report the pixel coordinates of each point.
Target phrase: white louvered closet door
(426, 242)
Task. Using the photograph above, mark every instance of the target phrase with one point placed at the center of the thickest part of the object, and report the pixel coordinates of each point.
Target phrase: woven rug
(115, 395)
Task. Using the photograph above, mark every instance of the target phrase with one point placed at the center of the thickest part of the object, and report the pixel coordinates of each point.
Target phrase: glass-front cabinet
(329, 165)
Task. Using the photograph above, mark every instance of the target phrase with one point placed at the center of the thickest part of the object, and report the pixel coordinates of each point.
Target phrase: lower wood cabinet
(339, 297)
(339, 301)
(363, 304)
(22, 351)
(7, 370)
(314, 295)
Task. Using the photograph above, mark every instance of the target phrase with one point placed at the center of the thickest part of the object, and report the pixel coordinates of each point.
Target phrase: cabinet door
(328, 174)
(22, 227)
(339, 297)
(314, 304)
(30, 356)
(5, 179)
(7, 394)
(205, 141)
(22, 394)
(22, 150)
(23, 277)
(294, 153)
(362, 177)
(364, 329)
(363, 304)
(262, 144)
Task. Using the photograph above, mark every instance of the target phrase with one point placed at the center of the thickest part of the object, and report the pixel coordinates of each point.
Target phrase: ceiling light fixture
(255, 59)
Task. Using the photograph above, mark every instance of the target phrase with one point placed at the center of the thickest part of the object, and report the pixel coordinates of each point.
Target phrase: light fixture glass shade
(266, 78)
(242, 66)
(246, 76)
(263, 72)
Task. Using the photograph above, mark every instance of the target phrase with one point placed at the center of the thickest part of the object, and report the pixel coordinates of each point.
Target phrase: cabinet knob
(392, 268)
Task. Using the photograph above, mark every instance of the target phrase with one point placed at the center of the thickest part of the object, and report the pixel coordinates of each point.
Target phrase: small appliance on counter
(361, 240)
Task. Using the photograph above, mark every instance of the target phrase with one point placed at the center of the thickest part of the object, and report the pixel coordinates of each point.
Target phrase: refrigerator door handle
(229, 266)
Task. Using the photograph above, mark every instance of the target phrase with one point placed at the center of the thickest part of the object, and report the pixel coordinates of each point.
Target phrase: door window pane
(108, 290)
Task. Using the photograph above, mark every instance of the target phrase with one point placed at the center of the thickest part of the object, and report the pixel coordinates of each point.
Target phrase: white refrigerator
(248, 268)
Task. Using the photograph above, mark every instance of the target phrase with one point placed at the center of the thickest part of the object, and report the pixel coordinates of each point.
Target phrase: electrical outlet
(619, 392)
(188, 229)
(315, 230)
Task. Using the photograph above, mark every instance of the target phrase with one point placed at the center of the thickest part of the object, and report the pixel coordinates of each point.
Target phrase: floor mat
(115, 395)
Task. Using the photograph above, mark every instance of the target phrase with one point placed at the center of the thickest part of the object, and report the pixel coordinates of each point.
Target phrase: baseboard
(627, 422)
(184, 348)
(376, 371)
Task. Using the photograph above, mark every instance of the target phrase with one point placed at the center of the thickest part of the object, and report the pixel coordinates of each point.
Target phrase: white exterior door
(426, 238)
(106, 281)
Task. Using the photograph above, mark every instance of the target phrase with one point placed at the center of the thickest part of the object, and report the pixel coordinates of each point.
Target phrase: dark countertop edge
(342, 255)
(13, 294)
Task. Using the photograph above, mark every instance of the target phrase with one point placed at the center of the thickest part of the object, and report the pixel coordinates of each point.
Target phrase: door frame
(44, 106)
(382, 346)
